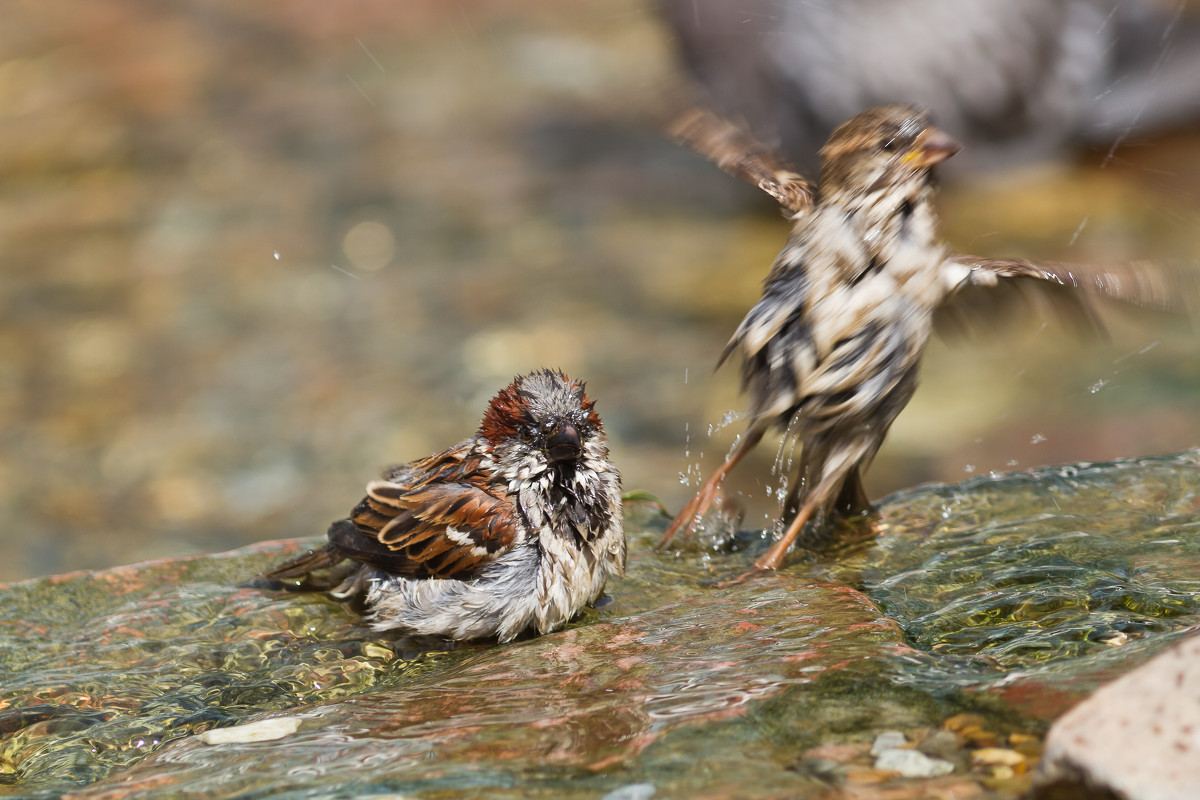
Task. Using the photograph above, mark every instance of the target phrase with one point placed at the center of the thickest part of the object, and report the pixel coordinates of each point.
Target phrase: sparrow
(1014, 80)
(518, 527)
(831, 350)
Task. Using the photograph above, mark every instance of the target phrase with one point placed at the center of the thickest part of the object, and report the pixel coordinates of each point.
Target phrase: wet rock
(263, 731)
(669, 675)
(1137, 738)
(778, 686)
(941, 744)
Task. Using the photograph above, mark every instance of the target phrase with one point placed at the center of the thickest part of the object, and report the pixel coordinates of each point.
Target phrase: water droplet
(1078, 231)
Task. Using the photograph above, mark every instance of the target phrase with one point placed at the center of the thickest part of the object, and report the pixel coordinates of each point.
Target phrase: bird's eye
(890, 144)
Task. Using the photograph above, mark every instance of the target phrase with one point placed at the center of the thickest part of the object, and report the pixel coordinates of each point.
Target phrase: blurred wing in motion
(735, 151)
(997, 288)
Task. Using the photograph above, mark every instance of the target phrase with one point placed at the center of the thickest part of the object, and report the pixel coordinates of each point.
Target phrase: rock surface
(1137, 738)
(113, 683)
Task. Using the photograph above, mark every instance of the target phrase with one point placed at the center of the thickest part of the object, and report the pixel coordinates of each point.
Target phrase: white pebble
(913, 764)
(262, 731)
(888, 740)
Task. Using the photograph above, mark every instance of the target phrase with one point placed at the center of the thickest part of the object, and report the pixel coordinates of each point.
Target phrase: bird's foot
(686, 520)
(753, 572)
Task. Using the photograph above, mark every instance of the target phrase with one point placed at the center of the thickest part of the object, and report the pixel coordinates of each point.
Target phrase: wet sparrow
(517, 527)
(831, 350)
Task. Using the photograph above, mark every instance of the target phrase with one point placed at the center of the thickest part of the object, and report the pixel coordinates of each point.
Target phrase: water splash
(1079, 230)
(1140, 352)
(727, 419)
(370, 56)
(361, 91)
(346, 272)
(685, 477)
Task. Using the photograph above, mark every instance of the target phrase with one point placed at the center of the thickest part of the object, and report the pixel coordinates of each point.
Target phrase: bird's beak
(564, 444)
(932, 147)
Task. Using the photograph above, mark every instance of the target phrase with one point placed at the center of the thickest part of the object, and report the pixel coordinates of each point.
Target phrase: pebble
(912, 764)
(941, 744)
(997, 756)
(632, 791)
(262, 731)
(888, 740)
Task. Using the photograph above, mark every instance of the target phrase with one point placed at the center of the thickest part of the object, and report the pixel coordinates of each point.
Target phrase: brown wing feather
(448, 525)
(440, 517)
(737, 152)
(1141, 283)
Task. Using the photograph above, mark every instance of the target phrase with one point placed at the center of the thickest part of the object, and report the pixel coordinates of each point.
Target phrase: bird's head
(882, 147)
(543, 419)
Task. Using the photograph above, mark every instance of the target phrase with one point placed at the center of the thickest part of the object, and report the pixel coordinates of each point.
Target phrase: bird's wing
(737, 152)
(986, 288)
(448, 523)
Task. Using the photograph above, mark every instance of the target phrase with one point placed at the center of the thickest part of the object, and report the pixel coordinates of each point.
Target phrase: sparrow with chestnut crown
(516, 528)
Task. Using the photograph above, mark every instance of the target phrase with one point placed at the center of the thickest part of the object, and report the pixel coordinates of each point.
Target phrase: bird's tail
(321, 558)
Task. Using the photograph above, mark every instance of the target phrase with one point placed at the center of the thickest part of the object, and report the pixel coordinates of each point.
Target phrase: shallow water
(1025, 568)
(1007, 596)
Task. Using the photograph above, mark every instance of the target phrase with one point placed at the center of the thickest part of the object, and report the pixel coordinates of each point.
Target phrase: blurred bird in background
(1014, 81)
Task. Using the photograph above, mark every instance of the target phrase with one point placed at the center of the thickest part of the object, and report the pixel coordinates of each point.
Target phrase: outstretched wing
(737, 152)
(994, 287)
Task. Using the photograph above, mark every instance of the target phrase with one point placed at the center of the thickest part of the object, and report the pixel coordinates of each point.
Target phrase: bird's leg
(851, 499)
(773, 558)
(695, 508)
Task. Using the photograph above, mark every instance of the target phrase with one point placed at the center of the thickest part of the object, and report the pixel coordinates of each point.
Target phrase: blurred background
(250, 254)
